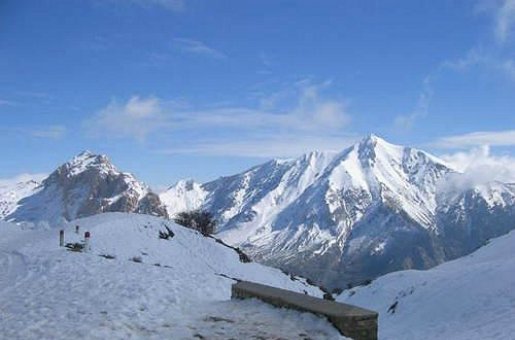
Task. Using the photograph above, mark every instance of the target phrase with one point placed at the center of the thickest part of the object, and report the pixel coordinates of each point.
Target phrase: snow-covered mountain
(143, 278)
(185, 195)
(468, 298)
(88, 184)
(347, 217)
(15, 189)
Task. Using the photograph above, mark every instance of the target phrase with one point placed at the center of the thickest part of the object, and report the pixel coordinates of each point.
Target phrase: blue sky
(185, 88)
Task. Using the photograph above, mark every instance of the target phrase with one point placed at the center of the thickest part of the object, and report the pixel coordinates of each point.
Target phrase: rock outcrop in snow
(88, 184)
(347, 217)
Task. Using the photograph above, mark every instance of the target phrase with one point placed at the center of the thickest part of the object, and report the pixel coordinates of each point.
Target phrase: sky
(173, 89)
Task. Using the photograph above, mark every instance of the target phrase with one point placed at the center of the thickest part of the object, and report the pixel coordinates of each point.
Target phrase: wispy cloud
(46, 132)
(406, 122)
(266, 146)
(197, 47)
(4, 102)
(481, 57)
(51, 132)
(311, 121)
(134, 119)
(478, 138)
(504, 20)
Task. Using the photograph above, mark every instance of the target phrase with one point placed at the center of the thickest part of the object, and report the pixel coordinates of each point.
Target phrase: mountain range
(339, 218)
(346, 218)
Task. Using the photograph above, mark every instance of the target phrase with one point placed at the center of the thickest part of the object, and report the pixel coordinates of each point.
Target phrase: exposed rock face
(89, 184)
(347, 217)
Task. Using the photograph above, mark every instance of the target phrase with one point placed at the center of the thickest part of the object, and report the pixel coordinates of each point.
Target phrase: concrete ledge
(354, 322)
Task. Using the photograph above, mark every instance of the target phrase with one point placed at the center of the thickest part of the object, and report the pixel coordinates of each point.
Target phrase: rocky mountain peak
(85, 161)
(88, 184)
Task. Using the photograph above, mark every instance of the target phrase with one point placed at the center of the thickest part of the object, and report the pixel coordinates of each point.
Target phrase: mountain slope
(134, 284)
(89, 184)
(346, 217)
(468, 298)
(15, 189)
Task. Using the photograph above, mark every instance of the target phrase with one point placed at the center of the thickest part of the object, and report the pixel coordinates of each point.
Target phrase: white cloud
(197, 47)
(478, 166)
(308, 113)
(309, 121)
(134, 119)
(492, 138)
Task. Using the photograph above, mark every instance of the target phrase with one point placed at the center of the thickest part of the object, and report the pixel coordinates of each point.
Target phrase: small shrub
(107, 256)
(199, 220)
(328, 296)
(137, 259)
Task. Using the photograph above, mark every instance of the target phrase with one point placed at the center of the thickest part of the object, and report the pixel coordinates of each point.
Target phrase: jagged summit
(87, 160)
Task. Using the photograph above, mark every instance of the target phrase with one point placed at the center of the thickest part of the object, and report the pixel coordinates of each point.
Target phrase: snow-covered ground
(133, 284)
(470, 298)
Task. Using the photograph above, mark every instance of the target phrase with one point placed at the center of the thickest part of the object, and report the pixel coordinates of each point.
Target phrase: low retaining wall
(354, 322)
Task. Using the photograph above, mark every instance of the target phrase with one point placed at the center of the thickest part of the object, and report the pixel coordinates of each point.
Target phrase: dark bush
(337, 291)
(328, 296)
(199, 220)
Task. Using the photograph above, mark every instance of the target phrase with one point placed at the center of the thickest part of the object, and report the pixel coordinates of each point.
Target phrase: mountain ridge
(347, 217)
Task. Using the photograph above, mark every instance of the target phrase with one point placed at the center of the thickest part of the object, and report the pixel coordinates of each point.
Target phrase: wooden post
(87, 236)
(76, 229)
(61, 238)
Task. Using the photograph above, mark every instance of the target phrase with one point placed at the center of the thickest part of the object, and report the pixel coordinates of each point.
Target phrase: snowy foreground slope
(469, 298)
(133, 284)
